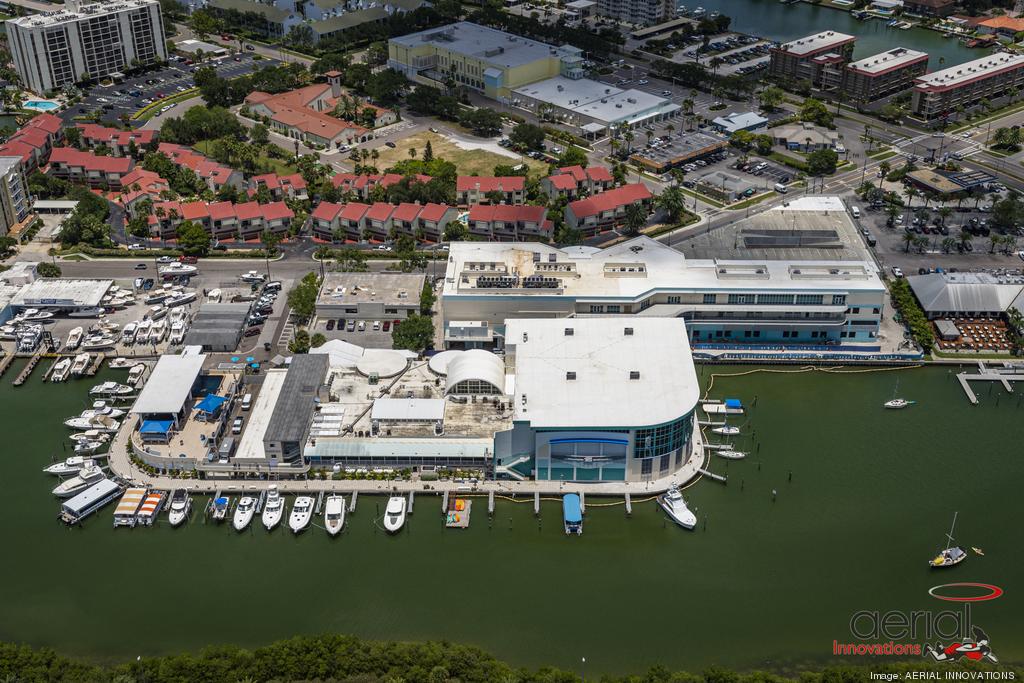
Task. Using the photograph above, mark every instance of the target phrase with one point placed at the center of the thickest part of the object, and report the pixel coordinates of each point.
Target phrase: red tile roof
(193, 211)
(17, 149)
(48, 122)
(354, 211)
(103, 134)
(486, 184)
(380, 211)
(326, 211)
(563, 181)
(203, 167)
(220, 211)
(33, 137)
(509, 213)
(433, 212)
(277, 211)
(70, 156)
(611, 199)
(248, 211)
(577, 172)
(599, 174)
(406, 212)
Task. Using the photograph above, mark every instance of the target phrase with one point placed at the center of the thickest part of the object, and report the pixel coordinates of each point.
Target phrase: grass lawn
(278, 166)
(467, 161)
(883, 155)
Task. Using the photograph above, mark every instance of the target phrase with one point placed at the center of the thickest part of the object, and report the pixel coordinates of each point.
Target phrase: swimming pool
(41, 105)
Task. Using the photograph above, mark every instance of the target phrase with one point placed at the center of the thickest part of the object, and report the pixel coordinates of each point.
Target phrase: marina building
(940, 93)
(217, 327)
(597, 399)
(971, 295)
(62, 295)
(818, 58)
(62, 47)
(290, 422)
(165, 401)
(641, 12)
(370, 296)
(797, 274)
(884, 74)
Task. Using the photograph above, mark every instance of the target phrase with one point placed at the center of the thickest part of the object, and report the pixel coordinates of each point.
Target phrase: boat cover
(156, 426)
(733, 403)
(211, 404)
(571, 508)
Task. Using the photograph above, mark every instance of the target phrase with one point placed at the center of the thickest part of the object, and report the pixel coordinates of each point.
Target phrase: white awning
(169, 385)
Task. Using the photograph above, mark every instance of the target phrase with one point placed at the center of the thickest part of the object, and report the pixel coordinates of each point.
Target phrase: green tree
(416, 333)
(192, 239)
(573, 156)
(673, 202)
(317, 340)
(259, 134)
(635, 219)
(45, 269)
(822, 162)
(300, 343)
(302, 297)
(815, 111)
(270, 241)
(351, 260)
(427, 298)
(771, 97)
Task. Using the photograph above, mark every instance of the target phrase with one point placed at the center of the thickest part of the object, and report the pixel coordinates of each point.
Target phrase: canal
(863, 499)
(775, 21)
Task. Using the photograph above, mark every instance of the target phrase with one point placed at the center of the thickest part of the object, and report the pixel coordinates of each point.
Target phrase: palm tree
(993, 240)
(673, 202)
(947, 244)
(650, 134)
(965, 238)
(944, 213)
(412, 152)
(628, 137)
(670, 129)
(908, 239)
(635, 219)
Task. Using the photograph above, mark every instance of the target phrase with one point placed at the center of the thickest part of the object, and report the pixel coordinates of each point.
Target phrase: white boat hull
(726, 431)
(394, 515)
(241, 520)
(271, 519)
(334, 515)
(179, 513)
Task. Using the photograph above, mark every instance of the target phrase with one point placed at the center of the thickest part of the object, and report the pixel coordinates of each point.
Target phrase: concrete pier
(536, 503)
(352, 502)
(490, 502)
(716, 477)
(411, 496)
(583, 502)
(1005, 376)
(629, 504)
(444, 503)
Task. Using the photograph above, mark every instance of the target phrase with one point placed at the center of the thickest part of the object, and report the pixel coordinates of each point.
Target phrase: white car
(135, 247)
(897, 271)
(362, 325)
(1020, 255)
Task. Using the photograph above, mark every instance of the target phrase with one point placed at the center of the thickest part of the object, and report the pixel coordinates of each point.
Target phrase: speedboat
(244, 512)
(101, 423)
(158, 332)
(730, 454)
(142, 334)
(177, 331)
(572, 514)
(273, 509)
(34, 315)
(98, 342)
(89, 446)
(61, 370)
(181, 299)
(121, 363)
(302, 512)
(898, 403)
(86, 477)
(220, 508)
(727, 430)
(181, 505)
(128, 333)
(674, 505)
(90, 435)
(102, 408)
(74, 339)
(67, 467)
(111, 389)
(176, 269)
(136, 373)
(334, 514)
(80, 364)
(394, 514)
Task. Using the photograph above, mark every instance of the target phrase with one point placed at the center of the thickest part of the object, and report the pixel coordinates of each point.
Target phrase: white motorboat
(220, 508)
(177, 331)
(243, 513)
(730, 454)
(334, 514)
(90, 435)
(90, 312)
(674, 505)
(394, 514)
(61, 370)
(181, 506)
(273, 509)
(136, 373)
(898, 403)
(67, 467)
(302, 513)
(122, 363)
(80, 364)
(142, 333)
(181, 299)
(158, 332)
(89, 446)
(176, 269)
(31, 315)
(102, 408)
(727, 430)
(128, 333)
(111, 389)
(101, 423)
(86, 477)
(157, 312)
(98, 342)
(74, 339)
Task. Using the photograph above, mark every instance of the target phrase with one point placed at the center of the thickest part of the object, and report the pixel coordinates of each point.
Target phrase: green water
(766, 584)
(775, 21)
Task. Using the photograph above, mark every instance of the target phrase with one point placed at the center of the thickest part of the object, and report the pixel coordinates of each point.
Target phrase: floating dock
(717, 477)
(27, 370)
(457, 516)
(1005, 376)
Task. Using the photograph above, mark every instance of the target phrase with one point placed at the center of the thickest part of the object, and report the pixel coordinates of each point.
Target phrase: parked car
(330, 324)
(253, 331)
(387, 325)
(236, 426)
(897, 272)
(361, 325)
(389, 144)
(140, 266)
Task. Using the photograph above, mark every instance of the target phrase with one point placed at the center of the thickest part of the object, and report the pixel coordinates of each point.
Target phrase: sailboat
(897, 403)
(952, 554)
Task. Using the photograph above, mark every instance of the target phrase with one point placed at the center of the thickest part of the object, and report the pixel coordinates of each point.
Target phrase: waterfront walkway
(121, 465)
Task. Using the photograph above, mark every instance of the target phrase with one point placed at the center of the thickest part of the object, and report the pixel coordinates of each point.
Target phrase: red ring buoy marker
(993, 592)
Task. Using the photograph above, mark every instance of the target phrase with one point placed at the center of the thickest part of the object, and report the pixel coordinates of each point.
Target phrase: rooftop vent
(570, 375)
(569, 332)
(629, 331)
(634, 374)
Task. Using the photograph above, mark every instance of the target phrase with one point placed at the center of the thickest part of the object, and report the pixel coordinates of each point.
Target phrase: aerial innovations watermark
(956, 637)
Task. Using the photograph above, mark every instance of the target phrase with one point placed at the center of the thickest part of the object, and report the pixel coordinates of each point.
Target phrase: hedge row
(904, 301)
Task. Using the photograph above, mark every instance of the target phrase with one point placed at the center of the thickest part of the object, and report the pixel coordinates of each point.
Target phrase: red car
(189, 259)
(396, 323)
(387, 325)
(253, 331)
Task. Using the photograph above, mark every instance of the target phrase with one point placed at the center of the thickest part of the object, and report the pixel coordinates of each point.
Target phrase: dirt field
(467, 161)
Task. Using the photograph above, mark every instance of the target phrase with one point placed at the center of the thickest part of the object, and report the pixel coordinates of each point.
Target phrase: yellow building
(480, 58)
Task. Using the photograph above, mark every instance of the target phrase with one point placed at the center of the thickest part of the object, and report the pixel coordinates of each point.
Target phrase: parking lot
(733, 53)
(133, 93)
(348, 329)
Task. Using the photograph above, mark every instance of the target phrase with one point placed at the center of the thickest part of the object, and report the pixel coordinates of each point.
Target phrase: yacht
(181, 505)
(142, 334)
(157, 332)
(674, 505)
(730, 454)
(334, 514)
(177, 331)
(136, 373)
(67, 467)
(86, 477)
(572, 514)
(394, 514)
(89, 446)
(273, 508)
(898, 403)
(176, 269)
(61, 370)
(727, 430)
(121, 363)
(111, 389)
(90, 435)
(243, 513)
(80, 364)
(33, 315)
(951, 555)
(128, 333)
(158, 296)
(101, 423)
(98, 342)
(181, 299)
(102, 408)
(74, 339)
(302, 512)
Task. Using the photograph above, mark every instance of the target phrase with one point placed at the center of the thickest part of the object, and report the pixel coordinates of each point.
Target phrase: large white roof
(169, 385)
(411, 409)
(475, 364)
(63, 293)
(602, 355)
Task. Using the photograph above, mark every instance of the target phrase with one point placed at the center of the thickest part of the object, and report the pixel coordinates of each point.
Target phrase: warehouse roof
(169, 385)
(295, 405)
(63, 293)
(217, 325)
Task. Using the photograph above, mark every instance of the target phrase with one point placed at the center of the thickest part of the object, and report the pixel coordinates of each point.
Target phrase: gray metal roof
(217, 325)
(964, 292)
(295, 404)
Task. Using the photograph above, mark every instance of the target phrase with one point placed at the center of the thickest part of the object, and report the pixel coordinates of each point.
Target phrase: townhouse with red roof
(434, 219)
(222, 220)
(474, 189)
(139, 184)
(352, 220)
(119, 142)
(215, 175)
(362, 185)
(280, 186)
(34, 141)
(572, 181)
(606, 210)
(85, 167)
(508, 222)
(380, 220)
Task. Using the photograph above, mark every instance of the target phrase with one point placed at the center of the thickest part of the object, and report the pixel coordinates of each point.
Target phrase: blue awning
(211, 403)
(733, 403)
(156, 426)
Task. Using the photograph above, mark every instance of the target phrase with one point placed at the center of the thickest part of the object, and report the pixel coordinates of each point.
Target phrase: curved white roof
(383, 362)
(476, 364)
(439, 361)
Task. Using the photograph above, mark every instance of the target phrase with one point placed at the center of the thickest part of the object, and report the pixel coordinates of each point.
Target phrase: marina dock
(1005, 376)
(26, 372)
(716, 477)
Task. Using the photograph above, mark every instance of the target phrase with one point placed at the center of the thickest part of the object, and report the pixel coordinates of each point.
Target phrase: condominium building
(642, 12)
(84, 167)
(474, 189)
(55, 49)
(606, 210)
(941, 93)
(818, 58)
(14, 201)
(884, 74)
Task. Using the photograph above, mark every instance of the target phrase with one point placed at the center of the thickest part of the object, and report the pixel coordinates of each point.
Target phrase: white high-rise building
(56, 48)
(642, 12)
